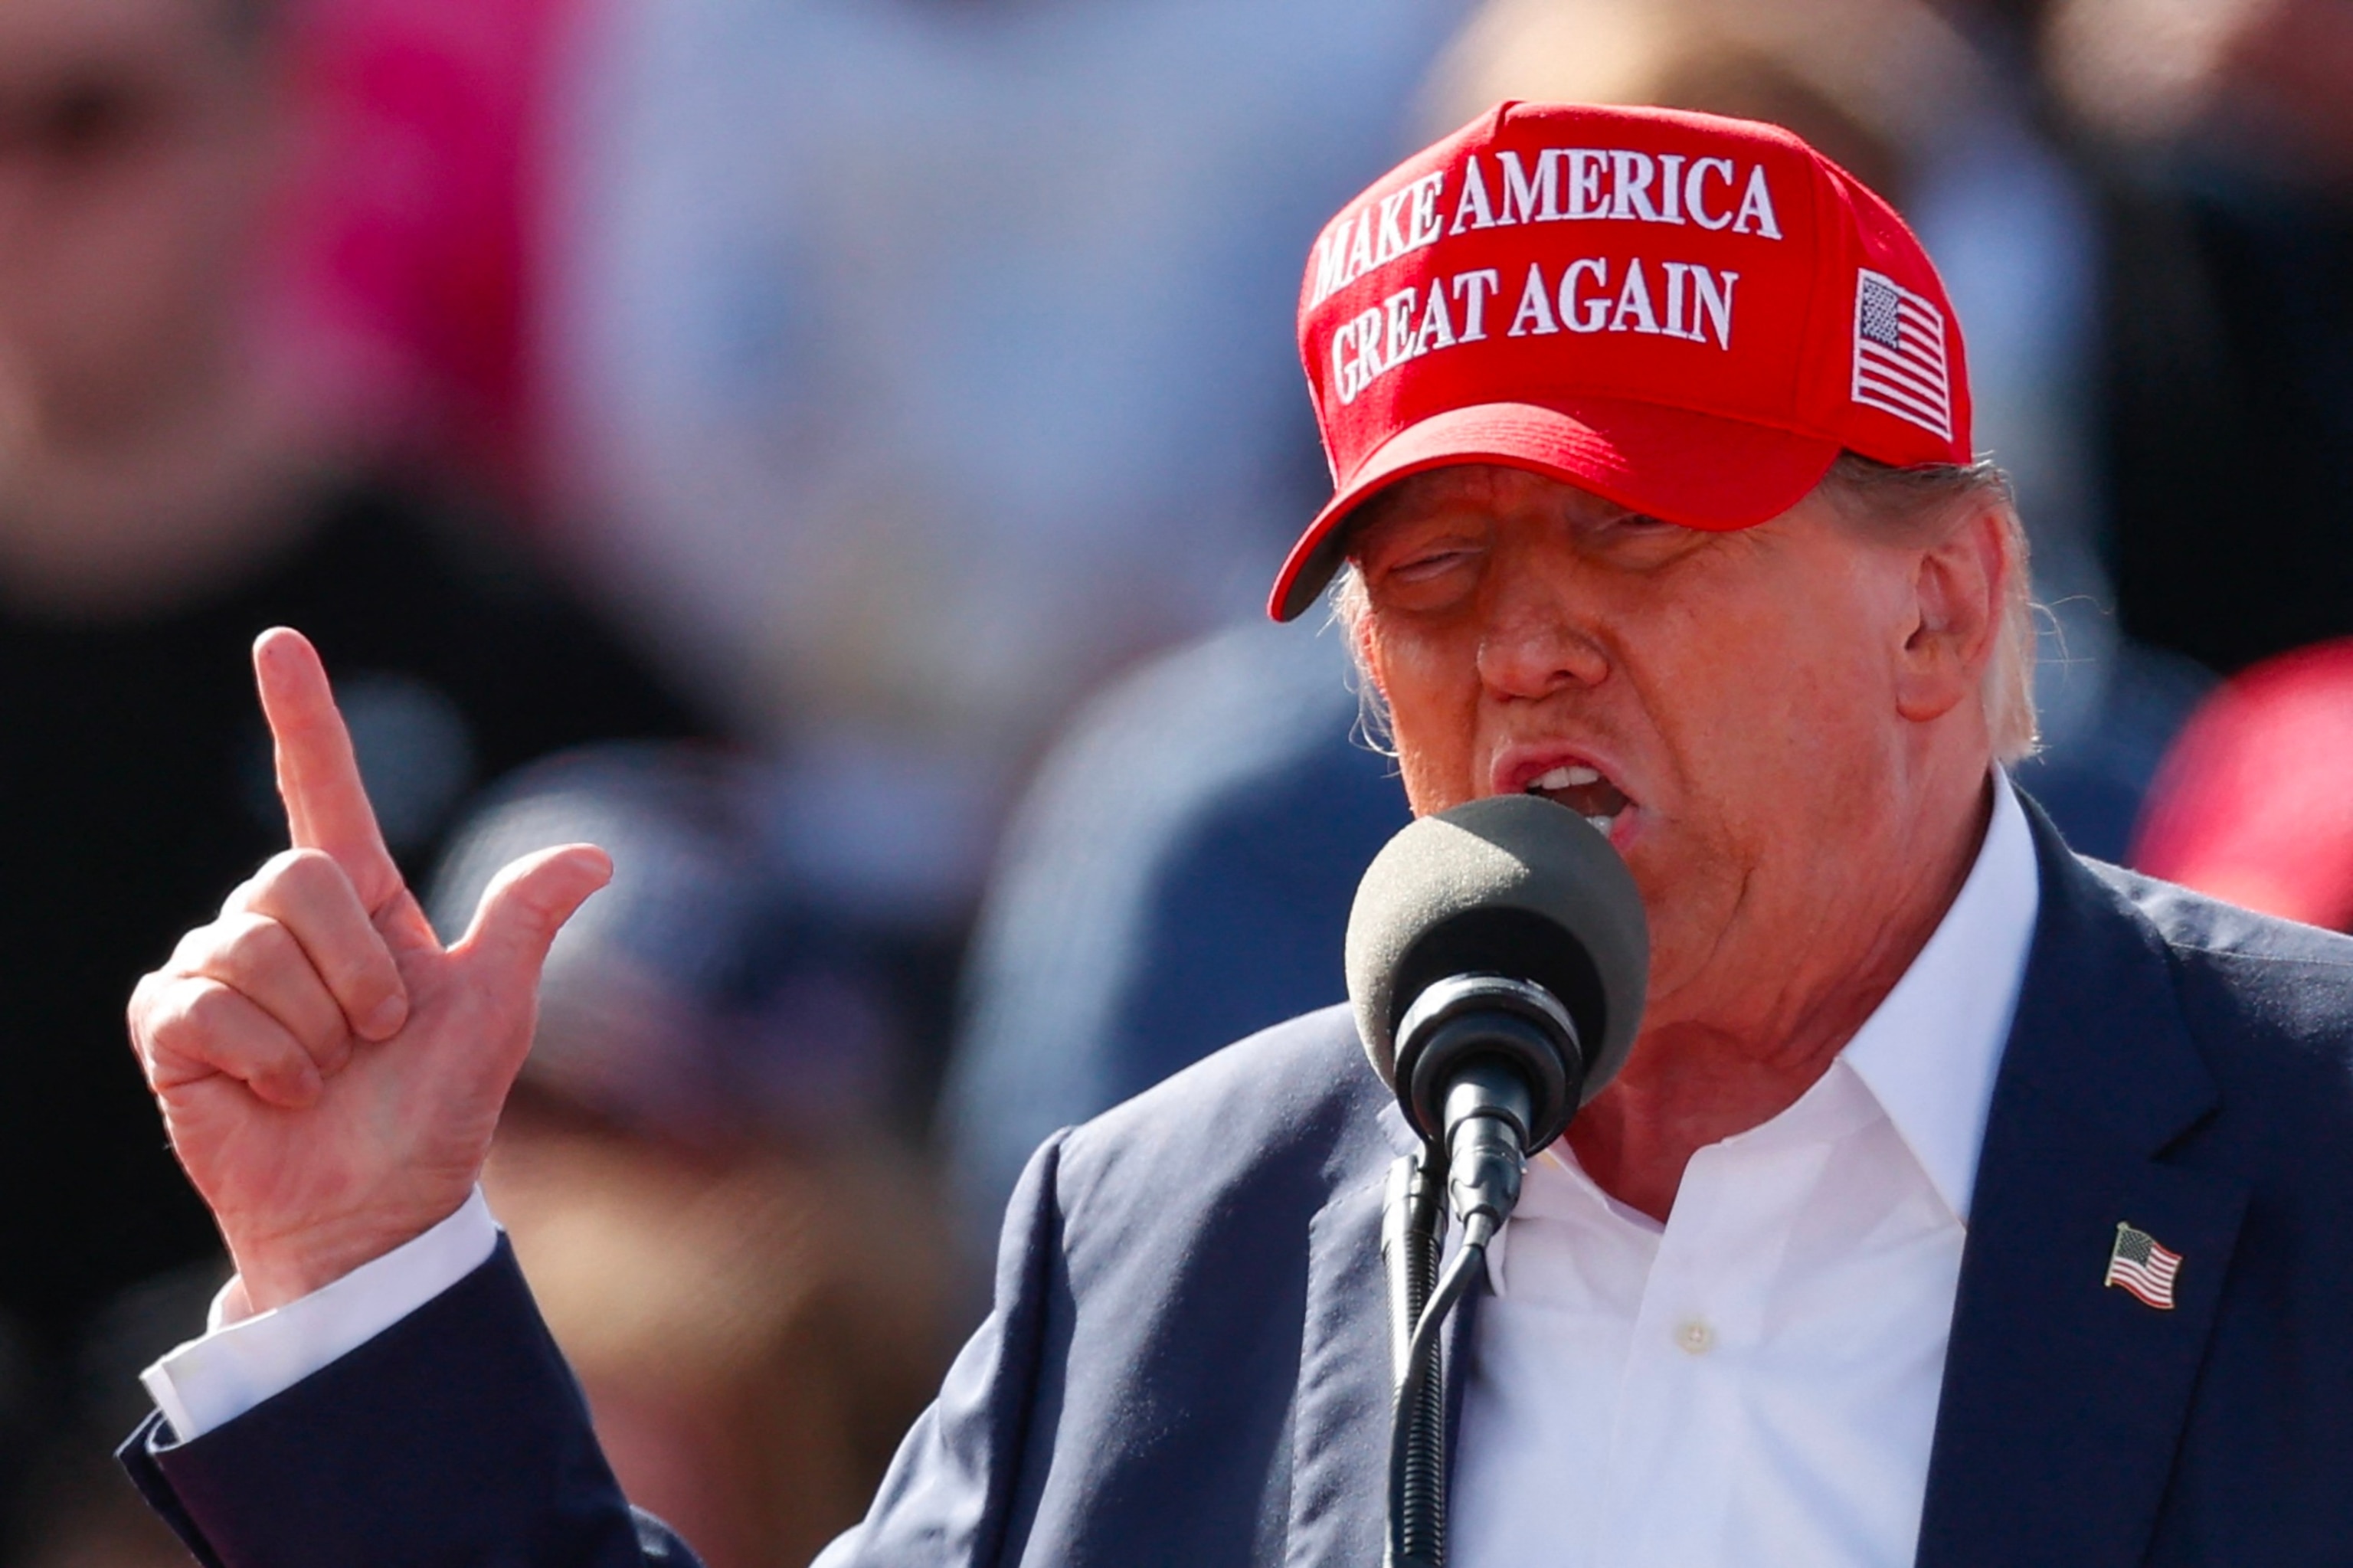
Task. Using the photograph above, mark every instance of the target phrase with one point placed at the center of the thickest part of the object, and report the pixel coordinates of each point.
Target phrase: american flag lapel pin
(2141, 1266)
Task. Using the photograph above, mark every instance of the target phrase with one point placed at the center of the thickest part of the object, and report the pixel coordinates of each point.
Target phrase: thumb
(524, 908)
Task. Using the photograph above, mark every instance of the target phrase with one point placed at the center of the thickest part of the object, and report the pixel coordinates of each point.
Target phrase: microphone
(1497, 957)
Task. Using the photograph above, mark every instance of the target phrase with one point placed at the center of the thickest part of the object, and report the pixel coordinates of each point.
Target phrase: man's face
(1730, 701)
(133, 151)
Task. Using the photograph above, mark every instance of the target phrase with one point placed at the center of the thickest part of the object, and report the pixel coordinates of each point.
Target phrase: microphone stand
(1478, 1169)
(1413, 1233)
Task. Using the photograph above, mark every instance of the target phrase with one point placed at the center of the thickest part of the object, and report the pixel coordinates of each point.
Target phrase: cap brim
(1696, 469)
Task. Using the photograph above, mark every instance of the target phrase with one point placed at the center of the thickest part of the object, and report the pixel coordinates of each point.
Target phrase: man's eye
(1421, 568)
(1660, 528)
(1634, 525)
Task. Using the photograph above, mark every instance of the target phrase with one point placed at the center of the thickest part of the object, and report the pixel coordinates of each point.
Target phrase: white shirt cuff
(208, 1382)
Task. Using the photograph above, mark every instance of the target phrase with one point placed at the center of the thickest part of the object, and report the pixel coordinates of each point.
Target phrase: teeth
(1602, 824)
(1569, 778)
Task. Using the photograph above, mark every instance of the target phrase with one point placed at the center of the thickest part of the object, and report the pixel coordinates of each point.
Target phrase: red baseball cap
(1689, 315)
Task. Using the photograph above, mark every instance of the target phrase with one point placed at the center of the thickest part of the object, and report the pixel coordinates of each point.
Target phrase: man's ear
(1956, 605)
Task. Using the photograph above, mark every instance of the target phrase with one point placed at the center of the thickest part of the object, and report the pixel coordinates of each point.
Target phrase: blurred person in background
(2256, 802)
(1211, 816)
(2221, 136)
(703, 1168)
(177, 471)
(913, 366)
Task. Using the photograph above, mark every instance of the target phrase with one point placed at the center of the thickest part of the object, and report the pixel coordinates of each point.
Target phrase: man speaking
(1962, 1202)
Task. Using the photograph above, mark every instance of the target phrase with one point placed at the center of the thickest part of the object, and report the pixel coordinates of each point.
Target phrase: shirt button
(1695, 1337)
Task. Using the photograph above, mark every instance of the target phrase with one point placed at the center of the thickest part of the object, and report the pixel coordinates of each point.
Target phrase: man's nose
(1538, 643)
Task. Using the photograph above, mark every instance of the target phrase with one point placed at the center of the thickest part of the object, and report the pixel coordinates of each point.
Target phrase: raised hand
(330, 1074)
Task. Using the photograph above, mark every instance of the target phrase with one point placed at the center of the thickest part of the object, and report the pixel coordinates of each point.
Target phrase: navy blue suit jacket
(1187, 1363)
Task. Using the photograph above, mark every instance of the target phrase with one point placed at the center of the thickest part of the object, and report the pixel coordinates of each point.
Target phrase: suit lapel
(1340, 1420)
(2063, 1398)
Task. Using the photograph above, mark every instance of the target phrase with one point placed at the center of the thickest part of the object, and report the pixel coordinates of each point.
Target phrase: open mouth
(1583, 790)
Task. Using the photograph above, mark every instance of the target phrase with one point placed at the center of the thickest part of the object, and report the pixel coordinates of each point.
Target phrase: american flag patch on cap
(1899, 354)
(2139, 1265)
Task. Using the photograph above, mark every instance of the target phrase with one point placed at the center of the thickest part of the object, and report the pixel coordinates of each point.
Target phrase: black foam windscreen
(1515, 885)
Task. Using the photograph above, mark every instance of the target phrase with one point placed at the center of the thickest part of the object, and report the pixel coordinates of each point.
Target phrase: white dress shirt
(1755, 1382)
(1756, 1379)
(240, 1362)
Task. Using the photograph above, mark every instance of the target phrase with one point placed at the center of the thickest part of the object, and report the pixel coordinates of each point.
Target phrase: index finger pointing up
(318, 776)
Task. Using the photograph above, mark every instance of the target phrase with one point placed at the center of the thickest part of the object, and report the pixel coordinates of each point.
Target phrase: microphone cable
(1417, 1424)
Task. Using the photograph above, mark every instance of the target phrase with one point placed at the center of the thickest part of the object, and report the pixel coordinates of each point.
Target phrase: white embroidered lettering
(1399, 308)
(1530, 198)
(1426, 191)
(1585, 166)
(1694, 188)
(1472, 289)
(1471, 208)
(1436, 330)
(1535, 307)
(1390, 244)
(1710, 303)
(1366, 331)
(1584, 315)
(1676, 271)
(1671, 187)
(1629, 179)
(1634, 301)
(1756, 204)
(1344, 365)
(1360, 248)
(1332, 259)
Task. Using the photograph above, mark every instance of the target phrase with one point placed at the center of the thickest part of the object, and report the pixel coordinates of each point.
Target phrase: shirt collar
(1929, 1052)
(1928, 1055)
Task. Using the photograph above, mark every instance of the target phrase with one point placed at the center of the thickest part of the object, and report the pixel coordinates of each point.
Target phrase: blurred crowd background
(832, 453)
